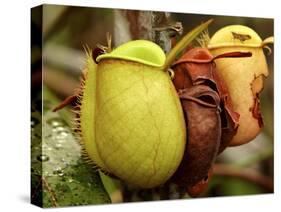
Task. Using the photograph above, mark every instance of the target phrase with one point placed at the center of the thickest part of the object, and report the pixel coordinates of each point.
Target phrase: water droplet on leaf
(58, 146)
(43, 158)
(55, 122)
(58, 171)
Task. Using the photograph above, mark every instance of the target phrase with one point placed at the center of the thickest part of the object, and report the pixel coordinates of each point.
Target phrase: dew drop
(49, 148)
(60, 141)
(55, 122)
(47, 174)
(58, 171)
(61, 174)
(59, 129)
(62, 134)
(58, 146)
(43, 158)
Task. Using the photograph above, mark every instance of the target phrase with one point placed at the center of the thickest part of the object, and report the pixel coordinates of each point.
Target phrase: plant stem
(245, 174)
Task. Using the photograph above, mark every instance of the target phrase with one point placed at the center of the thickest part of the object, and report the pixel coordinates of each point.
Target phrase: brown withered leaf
(196, 67)
(201, 109)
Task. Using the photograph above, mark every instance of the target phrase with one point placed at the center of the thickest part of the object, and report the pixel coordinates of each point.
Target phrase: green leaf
(60, 176)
